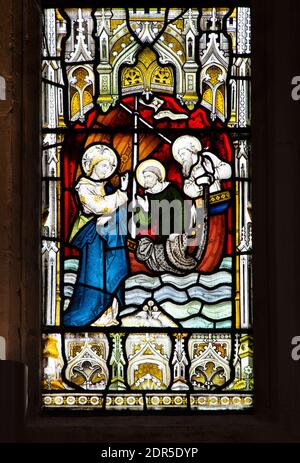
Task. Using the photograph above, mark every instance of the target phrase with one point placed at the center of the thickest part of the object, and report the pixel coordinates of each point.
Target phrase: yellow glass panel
(207, 96)
(214, 72)
(87, 98)
(75, 104)
(162, 76)
(220, 103)
(81, 75)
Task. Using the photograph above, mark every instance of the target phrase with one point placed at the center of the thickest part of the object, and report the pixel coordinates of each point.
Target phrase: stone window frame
(20, 181)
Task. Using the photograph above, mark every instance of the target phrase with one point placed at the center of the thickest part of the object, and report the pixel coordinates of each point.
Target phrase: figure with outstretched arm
(99, 233)
(203, 172)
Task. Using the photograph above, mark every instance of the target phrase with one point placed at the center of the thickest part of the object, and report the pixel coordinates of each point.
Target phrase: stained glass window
(146, 209)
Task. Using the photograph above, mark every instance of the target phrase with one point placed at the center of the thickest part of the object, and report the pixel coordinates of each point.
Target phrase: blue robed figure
(100, 234)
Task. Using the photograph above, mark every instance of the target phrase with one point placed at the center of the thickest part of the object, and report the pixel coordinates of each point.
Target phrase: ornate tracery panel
(146, 209)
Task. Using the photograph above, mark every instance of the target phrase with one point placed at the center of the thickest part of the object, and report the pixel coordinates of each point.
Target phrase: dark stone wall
(10, 177)
(276, 165)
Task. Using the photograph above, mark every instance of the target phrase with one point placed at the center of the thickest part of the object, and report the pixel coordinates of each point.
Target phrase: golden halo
(188, 142)
(97, 153)
(144, 165)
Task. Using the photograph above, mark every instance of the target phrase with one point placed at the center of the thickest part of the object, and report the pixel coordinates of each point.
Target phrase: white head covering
(97, 153)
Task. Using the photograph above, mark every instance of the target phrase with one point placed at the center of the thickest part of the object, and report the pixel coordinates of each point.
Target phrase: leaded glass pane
(146, 209)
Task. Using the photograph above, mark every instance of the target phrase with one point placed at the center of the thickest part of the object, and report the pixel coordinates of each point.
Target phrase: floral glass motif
(146, 209)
